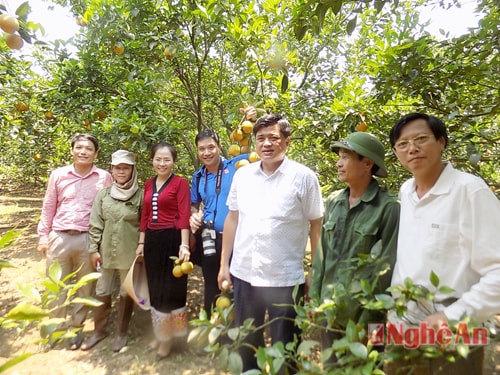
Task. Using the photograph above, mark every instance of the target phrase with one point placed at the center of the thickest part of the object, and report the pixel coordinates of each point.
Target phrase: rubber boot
(124, 314)
(101, 318)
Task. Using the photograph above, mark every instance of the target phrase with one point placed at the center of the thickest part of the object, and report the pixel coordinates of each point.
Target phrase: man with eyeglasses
(449, 226)
(360, 219)
(274, 206)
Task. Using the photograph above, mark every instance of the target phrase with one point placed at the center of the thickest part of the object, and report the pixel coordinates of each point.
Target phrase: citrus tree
(147, 71)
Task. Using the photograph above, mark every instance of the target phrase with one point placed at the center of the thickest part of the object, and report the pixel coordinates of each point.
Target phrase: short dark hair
(270, 120)
(207, 134)
(436, 125)
(162, 144)
(85, 137)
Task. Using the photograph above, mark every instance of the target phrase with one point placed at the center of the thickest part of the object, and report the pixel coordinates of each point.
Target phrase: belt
(72, 232)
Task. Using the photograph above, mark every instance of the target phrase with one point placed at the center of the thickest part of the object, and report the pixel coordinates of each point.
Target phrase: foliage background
(189, 65)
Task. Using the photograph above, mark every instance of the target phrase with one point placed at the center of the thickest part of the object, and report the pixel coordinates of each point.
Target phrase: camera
(208, 238)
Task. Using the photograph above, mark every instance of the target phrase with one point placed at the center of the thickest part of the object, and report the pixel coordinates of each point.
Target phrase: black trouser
(210, 266)
(253, 302)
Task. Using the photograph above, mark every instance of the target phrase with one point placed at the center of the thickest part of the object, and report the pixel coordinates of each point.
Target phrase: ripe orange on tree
(80, 21)
(9, 23)
(169, 52)
(246, 127)
(234, 150)
(101, 114)
(118, 48)
(253, 157)
(361, 126)
(14, 41)
(241, 163)
(245, 141)
(37, 157)
(21, 106)
(237, 135)
(87, 125)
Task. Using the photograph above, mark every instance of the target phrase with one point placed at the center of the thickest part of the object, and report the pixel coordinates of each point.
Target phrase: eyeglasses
(417, 141)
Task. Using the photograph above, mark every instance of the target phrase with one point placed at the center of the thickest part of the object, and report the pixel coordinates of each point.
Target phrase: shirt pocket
(442, 241)
(365, 239)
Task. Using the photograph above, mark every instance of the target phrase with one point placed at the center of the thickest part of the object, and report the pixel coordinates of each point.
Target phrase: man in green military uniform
(360, 219)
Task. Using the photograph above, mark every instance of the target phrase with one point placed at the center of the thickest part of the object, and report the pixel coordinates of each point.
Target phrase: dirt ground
(21, 209)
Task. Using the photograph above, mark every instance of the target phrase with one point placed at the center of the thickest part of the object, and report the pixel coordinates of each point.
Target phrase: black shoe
(76, 342)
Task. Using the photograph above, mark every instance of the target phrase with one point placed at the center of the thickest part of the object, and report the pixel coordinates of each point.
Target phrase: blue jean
(252, 302)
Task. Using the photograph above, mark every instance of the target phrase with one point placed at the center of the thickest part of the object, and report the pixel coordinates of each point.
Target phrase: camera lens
(208, 242)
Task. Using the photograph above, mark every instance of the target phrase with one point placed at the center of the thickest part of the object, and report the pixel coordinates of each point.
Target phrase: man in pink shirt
(63, 227)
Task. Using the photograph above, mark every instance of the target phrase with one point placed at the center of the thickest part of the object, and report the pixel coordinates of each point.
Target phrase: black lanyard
(218, 183)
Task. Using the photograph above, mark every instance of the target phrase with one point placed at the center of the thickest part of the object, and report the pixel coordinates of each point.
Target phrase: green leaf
(235, 363)
(87, 301)
(358, 349)
(30, 292)
(8, 238)
(434, 279)
(306, 347)
(387, 300)
(55, 271)
(14, 361)
(446, 290)
(351, 332)
(284, 83)
(351, 25)
(5, 264)
(233, 333)
(214, 335)
(26, 311)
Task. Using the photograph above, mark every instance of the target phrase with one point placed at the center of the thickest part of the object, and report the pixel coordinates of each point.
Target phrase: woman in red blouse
(164, 232)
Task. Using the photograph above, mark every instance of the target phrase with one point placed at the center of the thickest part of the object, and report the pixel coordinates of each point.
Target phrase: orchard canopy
(151, 70)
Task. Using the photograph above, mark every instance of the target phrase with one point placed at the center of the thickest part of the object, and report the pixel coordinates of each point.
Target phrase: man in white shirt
(448, 225)
(274, 205)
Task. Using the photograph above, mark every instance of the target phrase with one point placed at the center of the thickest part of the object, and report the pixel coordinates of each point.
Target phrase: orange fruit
(245, 141)
(253, 157)
(87, 125)
(225, 285)
(8, 23)
(49, 115)
(177, 271)
(241, 163)
(361, 126)
(234, 150)
(237, 135)
(101, 114)
(216, 319)
(21, 106)
(246, 127)
(14, 41)
(187, 267)
(169, 52)
(244, 149)
(37, 157)
(223, 302)
(118, 48)
(80, 21)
